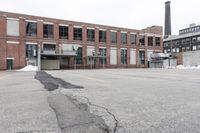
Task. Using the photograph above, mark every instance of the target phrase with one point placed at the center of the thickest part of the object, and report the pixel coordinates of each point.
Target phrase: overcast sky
(135, 14)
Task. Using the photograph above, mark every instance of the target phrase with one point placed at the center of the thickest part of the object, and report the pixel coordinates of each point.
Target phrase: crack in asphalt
(81, 120)
(107, 110)
(51, 83)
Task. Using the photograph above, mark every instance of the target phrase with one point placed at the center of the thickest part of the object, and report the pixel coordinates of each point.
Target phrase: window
(31, 29)
(48, 31)
(79, 56)
(113, 37)
(177, 43)
(157, 41)
(102, 52)
(166, 44)
(141, 40)
(12, 27)
(63, 32)
(124, 56)
(142, 57)
(49, 47)
(31, 51)
(90, 35)
(183, 41)
(188, 41)
(150, 41)
(123, 38)
(102, 36)
(177, 50)
(133, 38)
(78, 34)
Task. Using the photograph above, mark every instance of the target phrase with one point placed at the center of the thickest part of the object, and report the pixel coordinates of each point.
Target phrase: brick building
(62, 44)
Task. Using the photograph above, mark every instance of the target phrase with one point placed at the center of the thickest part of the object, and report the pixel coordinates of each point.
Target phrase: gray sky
(135, 14)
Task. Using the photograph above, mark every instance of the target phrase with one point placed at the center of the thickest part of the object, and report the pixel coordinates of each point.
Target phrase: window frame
(78, 35)
(29, 32)
(90, 35)
(63, 32)
(113, 39)
(48, 30)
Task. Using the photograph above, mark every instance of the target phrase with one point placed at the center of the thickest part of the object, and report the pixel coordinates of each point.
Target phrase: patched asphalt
(72, 115)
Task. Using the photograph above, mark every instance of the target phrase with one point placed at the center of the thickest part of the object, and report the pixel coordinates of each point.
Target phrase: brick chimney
(167, 19)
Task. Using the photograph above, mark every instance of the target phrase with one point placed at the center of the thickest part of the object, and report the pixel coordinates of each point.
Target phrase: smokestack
(167, 19)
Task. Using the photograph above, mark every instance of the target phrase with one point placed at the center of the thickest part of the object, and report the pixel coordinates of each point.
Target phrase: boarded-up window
(133, 56)
(113, 56)
(12, 27)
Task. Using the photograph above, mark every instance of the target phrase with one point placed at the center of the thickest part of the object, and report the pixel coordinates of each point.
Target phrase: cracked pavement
(23, 105)
(125, 100)
(142, 100)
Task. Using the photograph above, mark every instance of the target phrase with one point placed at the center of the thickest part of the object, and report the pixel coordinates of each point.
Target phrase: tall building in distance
(167, 19)
(62, 44)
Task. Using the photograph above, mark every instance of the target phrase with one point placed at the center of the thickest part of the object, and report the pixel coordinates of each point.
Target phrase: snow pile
(187, 67)
(170, 67)
(29, 68)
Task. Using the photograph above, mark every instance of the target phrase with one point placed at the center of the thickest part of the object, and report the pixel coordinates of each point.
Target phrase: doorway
(9, 64)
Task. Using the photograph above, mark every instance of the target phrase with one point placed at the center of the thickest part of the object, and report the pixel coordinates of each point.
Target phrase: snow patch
(29, 68)
(187, 67)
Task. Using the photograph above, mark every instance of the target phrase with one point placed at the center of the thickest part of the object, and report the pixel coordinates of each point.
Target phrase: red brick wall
(2, 42)
(18, 50)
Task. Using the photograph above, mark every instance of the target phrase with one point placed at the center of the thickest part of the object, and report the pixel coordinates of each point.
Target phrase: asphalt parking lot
(129, 100)
(23, 105)
(142, 100)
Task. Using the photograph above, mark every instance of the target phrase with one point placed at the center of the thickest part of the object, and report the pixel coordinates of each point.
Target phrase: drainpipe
(39, 58)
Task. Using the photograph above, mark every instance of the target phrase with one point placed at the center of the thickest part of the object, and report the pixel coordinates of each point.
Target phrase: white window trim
(12, 42)
(113, 30)
(10, 58)
(40, 20)
(15, 19)
(48, 43)
(124, 48)
(102, 29)
(103, 47)
(50, 23)
(33, 43)
(90, 28)
(78, 27)
(64, 25)
(33, 21)
(133, 33)
(123, 32)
